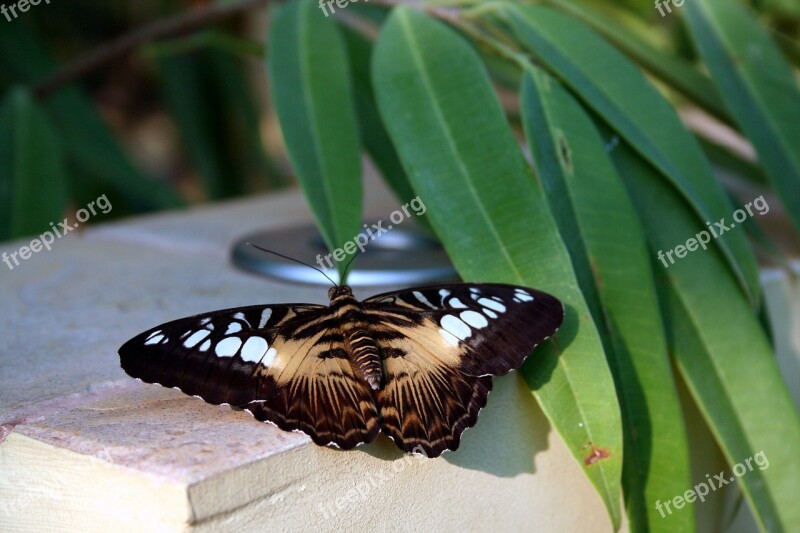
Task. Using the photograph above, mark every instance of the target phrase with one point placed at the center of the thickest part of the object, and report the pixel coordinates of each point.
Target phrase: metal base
(402, 256)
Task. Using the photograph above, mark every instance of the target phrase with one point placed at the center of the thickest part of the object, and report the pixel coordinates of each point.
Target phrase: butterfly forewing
(227, 356)
(482, 329)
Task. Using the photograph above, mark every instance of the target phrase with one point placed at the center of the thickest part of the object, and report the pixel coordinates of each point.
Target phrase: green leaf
(209, 101)
(612, 263)
(725, 159)
(186, 92)
(614, 88)
(373, 133)
(757, 85)
(437, 102)
(33, 182)
(244, 141)
(312, 93)
(673, 70)
(721, 350)
(88, 144)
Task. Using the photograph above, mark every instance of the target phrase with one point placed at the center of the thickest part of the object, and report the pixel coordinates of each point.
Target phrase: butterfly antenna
(347, 266)
(293, 259)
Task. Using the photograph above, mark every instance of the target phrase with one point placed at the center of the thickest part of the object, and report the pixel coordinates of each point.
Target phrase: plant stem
(184, 22)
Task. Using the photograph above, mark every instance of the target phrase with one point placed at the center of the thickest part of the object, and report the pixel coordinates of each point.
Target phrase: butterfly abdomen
(365, 356)
(363, 352)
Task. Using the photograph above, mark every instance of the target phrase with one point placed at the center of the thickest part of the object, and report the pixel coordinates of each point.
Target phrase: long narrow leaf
(373, 133)
(33, 182)
(614, 88)
(438, 105)
(758, 86)
(612, 263)
(721, 349)
(185, 90)
(675, 71)
(312, 93)
(99, 160)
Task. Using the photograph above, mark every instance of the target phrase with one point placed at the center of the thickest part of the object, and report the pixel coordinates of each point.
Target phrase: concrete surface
(86, 448)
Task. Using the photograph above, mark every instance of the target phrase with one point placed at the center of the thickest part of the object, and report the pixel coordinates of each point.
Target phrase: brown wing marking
(319, 394)
(426, 403)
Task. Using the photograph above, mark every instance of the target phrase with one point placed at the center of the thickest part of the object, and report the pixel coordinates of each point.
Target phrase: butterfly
(415, 364)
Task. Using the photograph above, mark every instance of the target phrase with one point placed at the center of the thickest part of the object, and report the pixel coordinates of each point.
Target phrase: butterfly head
(339, 291)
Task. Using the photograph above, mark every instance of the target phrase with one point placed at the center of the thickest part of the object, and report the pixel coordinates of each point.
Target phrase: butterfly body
(359, 345)
(415, 364)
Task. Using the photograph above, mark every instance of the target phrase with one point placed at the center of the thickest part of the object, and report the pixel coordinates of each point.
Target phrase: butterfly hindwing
(426, 404)
(441, 345)
(324, 399)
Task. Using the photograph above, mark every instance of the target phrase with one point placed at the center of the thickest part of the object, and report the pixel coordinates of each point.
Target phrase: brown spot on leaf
(596, 455)
(564, 152)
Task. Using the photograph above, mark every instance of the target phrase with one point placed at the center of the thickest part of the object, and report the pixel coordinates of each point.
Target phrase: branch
(182, 23)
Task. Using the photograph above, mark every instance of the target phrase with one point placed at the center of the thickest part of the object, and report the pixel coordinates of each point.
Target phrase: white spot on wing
(156, 332)
(269, 357)
(205, 346)
(228, 346)
(474, 319)
(444, 293)
(489, 313)
(456, 303)
(455, 326)
(240, 316)
(155, 340)
(448, 337)
(491, 304)
(421, 298)
(195, 339)
(205, 321)
(523, 295)
(254, 348)
(265, 314)
(233, 327)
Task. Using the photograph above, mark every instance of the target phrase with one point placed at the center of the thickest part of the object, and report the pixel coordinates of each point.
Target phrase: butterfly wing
(283, 363)
(481, 329)
(440, 346)
(425, 404)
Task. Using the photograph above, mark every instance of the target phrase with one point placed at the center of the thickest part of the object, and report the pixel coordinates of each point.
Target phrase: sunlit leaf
(313, 96)
(437, 102)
